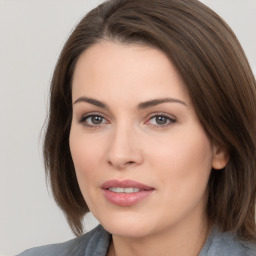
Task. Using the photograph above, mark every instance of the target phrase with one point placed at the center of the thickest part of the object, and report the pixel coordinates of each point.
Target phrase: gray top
(97, 241)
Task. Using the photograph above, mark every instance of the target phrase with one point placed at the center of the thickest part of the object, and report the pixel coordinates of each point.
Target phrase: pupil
(161, 120)
(96, 119)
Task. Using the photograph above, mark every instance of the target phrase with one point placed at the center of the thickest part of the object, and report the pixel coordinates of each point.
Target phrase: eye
(161, 120)
(93, 120)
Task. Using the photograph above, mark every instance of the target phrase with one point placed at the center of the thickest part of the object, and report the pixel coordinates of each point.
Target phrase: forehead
(114, 68)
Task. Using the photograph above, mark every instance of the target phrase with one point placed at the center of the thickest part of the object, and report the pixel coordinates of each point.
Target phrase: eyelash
(170, 120)
(91, 115)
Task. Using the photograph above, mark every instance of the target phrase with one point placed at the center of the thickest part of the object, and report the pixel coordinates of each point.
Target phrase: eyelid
(172, 118)
(162, 114)
(91, 114)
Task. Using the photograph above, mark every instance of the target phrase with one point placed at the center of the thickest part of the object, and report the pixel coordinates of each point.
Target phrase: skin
(163, 146)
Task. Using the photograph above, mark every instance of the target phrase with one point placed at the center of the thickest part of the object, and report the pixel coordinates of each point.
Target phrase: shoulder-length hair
(220, 82)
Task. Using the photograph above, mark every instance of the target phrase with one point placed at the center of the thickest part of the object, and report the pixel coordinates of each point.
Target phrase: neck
(179, 241)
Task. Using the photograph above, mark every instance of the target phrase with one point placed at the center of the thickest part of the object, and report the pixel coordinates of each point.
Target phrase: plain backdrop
(32, 33)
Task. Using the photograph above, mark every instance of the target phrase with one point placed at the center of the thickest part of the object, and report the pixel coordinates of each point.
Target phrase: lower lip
(126, 199)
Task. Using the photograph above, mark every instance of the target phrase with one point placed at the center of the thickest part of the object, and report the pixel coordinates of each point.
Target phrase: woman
(152, 128)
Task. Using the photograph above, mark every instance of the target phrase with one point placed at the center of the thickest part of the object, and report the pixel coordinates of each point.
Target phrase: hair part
(218, 77)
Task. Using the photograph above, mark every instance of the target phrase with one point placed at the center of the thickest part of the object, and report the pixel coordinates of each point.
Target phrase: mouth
(125, 186)
(125, 192)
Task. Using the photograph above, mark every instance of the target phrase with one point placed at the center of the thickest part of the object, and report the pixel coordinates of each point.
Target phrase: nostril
(130, 162)
(121, 165)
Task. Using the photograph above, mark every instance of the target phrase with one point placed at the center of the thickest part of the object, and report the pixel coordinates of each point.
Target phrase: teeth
(124, 190)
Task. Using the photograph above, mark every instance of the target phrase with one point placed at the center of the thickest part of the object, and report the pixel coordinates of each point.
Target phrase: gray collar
(99, 243)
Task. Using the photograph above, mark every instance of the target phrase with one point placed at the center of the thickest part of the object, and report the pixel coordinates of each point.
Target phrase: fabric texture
(93, 243)
(226, 244)
(97, 241)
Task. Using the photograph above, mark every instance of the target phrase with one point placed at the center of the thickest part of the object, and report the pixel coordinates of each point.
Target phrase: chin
(127, 230)
(130, 225)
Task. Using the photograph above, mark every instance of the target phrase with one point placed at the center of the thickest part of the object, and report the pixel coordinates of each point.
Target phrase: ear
(220, 157)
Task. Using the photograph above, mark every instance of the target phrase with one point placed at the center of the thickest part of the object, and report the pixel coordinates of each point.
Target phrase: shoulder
(227, 244)
(96, 240)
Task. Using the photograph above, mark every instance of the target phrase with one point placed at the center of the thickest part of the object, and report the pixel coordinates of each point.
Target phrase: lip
(126, 199)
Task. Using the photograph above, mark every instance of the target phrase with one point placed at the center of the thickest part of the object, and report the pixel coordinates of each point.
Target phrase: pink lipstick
(125, 192)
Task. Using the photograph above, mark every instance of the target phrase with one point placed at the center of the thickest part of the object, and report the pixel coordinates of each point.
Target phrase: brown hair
(218, 77)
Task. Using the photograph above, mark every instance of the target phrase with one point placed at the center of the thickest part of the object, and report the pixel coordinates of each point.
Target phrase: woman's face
(141, 156)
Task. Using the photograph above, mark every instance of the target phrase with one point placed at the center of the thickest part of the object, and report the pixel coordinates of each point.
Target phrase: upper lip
(125, 184)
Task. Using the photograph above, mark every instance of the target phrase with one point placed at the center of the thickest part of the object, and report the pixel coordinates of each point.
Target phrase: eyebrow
(91, 101)
(152, 103)
(142, 105)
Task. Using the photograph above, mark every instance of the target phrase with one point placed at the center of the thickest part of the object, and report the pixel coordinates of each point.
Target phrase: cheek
(184, 160)
(86, 155)
(183, 148)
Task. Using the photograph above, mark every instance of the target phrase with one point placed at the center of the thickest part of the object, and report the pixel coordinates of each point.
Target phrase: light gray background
(32, 33)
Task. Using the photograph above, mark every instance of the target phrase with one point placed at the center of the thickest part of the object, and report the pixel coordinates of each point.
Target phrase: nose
(124, 148)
